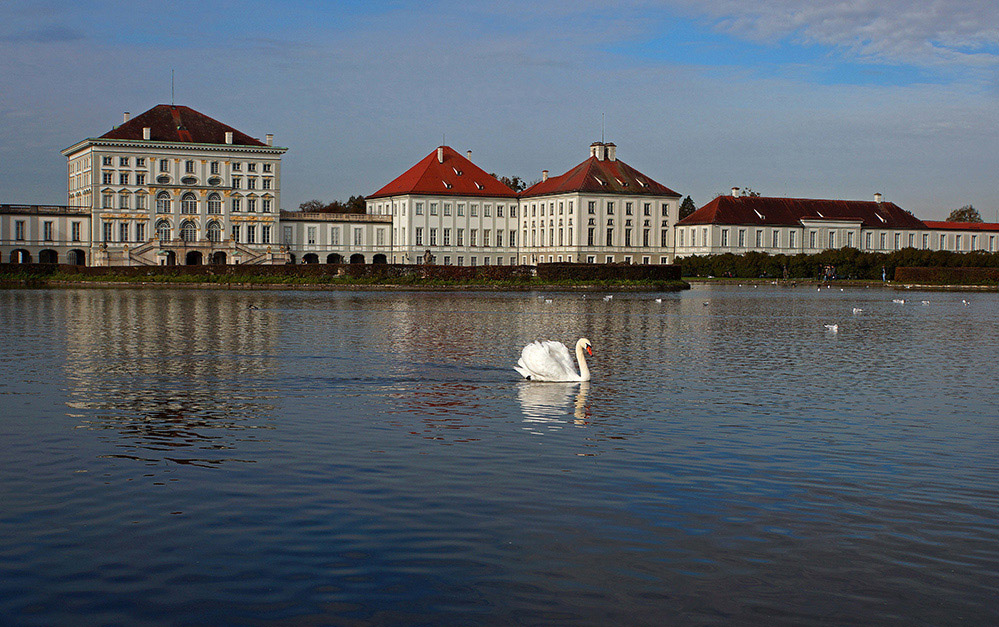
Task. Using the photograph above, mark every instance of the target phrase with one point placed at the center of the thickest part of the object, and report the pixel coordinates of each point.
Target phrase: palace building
(175, 186)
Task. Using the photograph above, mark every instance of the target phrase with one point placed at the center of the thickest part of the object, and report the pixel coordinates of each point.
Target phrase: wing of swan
(550, 361)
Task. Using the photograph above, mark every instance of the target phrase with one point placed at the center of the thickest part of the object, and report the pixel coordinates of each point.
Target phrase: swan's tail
(522, 369)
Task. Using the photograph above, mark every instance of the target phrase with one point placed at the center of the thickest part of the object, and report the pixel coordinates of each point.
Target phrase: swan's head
(584, 344)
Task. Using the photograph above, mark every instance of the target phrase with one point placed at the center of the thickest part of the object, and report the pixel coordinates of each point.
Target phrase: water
(176, 457)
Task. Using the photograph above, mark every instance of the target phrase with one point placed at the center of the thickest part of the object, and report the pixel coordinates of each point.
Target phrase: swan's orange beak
(589, 351)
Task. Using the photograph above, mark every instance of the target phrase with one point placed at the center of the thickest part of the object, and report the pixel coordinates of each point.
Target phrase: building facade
(173, 185)
(601, 211)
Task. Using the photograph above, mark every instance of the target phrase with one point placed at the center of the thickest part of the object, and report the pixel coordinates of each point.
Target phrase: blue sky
(816, 98)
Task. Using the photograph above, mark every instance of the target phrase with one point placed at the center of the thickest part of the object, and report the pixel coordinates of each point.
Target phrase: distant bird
(253, 307)
(925, 303)
(548, 301)
(818, 289)
(898, 301)
(659, 300)
(841, 289)
(966, 303)
(857, 310)
(833, 328)
(705, 303)
(608, 297)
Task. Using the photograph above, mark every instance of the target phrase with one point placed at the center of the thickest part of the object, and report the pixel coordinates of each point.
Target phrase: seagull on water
(857, 310)
(833, 328)
(659, 300)
(608, 297)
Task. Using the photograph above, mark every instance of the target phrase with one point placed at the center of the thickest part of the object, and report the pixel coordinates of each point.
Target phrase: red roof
(962, 226)
(454, 176)
(176, 123)
(762, 210)
(597, 176)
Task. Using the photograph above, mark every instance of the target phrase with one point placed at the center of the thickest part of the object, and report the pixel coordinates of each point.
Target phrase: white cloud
(926, 34)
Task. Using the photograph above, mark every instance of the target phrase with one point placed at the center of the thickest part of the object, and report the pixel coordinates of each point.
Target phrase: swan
(550, 361)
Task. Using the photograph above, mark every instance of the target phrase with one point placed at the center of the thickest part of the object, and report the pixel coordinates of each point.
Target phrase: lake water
(371, 458)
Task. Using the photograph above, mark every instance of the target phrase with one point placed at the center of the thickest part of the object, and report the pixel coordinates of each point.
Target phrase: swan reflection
(552, 404)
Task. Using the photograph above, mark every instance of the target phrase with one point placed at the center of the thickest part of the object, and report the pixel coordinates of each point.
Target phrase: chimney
(228, 137)
(269, 139)
(611, 149)
(468, 155)
(544, 175)
(147, 132)
(735, 192)
(877, 198)
(597, 150)
(128, 116)
(440, 154)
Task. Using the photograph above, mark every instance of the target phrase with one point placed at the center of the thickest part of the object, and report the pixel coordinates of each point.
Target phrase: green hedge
(557, 272)
(849, 263)
(948, 276)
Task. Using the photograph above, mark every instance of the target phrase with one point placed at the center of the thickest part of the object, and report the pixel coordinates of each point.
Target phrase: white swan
(550, 361)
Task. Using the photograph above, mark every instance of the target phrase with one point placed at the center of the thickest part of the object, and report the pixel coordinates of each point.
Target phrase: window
(447, 209)
(776, 239)
(589, 236)
(251, 234)
(513, 214)
(214, 169)
(75, 231)
(849, 239)
(47, 231)
(267, 167)
(742, 238)
(335, 236)
(237, 204)
(236, 182)
(140, 162)
(486, 212)
(471, 236)
(235, 233)
(214, 231)
(123, 178)
(832, 239)
(251, 183)
(591, 207)
(433, 237)
(123, 231)
(811, 239)
(140, 231)
(106, 178)
(790, 239)
(107, 201)
(447, 237)
(108, 231)
(107, 160)
(926, 240)
(461, 208)
(288, 235)
(188, 231)
(664, 238)
(214, 203)
(867, 241)
(647, 209)
(610, 237)
(164, 165)
(123, 202)
(473, 212)
(485, 238)
(358, 236)
(188, 168)
(724, 237)
(499, 211)
(311, 237)
(251, 167)
(499, 240)
(251, 205)
(433, 208)
(627, 237)
(645, 237)
(140, 179)
(419, 234)
(884, 245)
(267, 183)
(267, 205)
(610, 209)
(957, 241)
(265, 234)
(236, 166)
(680, 238)
(513, 242)
(419, 208)
(163, 230)
(461, 260)
(188, 203)
(447, 260)
(759, 238)
(628, 208)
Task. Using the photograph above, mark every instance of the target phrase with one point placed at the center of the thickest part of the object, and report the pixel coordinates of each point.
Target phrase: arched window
(189, 203)
(214, 203)
(214, 231)
(163, 203)
(163, 229)
(188, 231)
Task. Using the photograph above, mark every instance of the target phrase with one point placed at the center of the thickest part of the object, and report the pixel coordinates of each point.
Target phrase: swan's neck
(584, 370)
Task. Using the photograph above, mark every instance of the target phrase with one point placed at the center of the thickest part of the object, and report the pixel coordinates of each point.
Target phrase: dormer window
(479, 185)
(643, 183)
(597, 179)
(880, 218)
(758, 214)
(446, 184)
(457, 171)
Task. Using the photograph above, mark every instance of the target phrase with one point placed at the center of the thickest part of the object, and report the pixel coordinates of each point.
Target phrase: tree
(966, 213)
(515, 183)
(687, 207)
(312, 206)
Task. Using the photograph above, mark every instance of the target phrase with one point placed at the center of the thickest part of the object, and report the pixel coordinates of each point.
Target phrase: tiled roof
(597, 176)
(962, 226)
(177, 123)
(454, 176)
(765, 211)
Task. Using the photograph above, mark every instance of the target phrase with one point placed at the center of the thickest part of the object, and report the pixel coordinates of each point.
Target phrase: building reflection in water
(170, 375)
